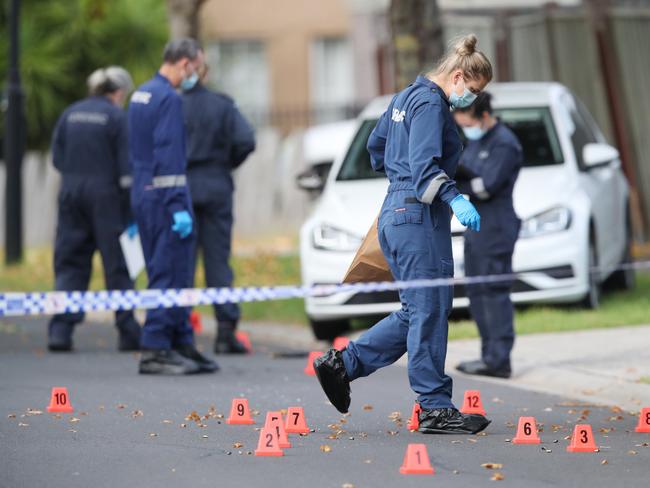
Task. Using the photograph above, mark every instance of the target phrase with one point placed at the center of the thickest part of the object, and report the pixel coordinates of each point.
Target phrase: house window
(239, 68)
(332, 79)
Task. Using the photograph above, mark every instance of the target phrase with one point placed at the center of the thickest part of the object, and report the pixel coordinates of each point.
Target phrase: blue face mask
(474, 133)
(462, 101)
(188, 83)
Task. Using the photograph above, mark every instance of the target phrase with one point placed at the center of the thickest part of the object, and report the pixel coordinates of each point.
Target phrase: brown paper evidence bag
(369, 264)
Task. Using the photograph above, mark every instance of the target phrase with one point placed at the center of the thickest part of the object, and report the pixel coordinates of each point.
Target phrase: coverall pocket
(411, 214)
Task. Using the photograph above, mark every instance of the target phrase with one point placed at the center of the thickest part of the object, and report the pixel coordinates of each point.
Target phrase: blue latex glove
(182, 223)
(466, 213)
(132, 230)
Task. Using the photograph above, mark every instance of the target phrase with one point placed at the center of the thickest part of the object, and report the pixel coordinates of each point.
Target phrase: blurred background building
(292, 64)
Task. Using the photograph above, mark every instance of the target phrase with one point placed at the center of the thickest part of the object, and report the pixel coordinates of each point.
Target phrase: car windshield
(536, 133)
(533, 127)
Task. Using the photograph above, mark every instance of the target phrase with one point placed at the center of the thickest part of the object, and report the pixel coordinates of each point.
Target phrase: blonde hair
(463, 55)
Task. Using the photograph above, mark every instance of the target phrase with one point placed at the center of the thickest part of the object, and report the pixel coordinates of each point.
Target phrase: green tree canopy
(63, 41)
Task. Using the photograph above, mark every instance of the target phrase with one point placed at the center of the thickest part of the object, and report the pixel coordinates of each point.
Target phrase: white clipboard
(132, 251)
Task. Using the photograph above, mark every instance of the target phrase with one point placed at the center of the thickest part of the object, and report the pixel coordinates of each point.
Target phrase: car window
(582, 135)
(356, 165)
(535, 130)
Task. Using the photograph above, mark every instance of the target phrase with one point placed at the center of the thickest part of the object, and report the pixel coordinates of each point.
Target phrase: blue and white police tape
(55, 302)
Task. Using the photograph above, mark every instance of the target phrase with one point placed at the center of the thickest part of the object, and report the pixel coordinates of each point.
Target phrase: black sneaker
(166, 362)
(478, 367)
(333, 378)
(59, 336)
(450, 421)
(188, 351)
(129, 338)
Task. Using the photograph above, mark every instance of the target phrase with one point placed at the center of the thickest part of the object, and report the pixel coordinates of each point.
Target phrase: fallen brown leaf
(237, 445)
(74, 420)
(367, 407)
(497, 477)
(11, 416)
(492, 466)
(325, 448)
(604, 461)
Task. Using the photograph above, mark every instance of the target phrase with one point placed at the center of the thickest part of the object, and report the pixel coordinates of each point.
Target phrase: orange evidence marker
(195, 322)
(60, 401)
(242, 337)
(582, 439)
(268, 444)
(472, 403)
(414, 421)
(527, 431)
(644, 421)
(239, 413)
(275, 424)
(341, 343)
(416, 460)
(296, 422)
(309, 368)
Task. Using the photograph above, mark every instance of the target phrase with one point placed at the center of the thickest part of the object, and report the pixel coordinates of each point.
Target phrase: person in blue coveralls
(219, 140)
(163, 210)
(89, 148)
(490, 165)
(417, 145)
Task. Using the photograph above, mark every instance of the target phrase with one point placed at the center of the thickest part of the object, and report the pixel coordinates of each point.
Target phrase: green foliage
(63, 41)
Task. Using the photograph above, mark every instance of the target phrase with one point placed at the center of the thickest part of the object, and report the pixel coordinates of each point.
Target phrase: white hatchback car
(571, 195)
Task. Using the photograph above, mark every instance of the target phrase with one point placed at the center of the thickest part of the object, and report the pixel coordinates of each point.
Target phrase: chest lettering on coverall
(141, 97)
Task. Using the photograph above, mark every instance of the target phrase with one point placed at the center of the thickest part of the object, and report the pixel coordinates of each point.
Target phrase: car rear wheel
(328, 330)
(592, 300)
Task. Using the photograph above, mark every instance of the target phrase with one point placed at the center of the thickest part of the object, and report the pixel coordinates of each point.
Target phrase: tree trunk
(416, 29)
(184, 18)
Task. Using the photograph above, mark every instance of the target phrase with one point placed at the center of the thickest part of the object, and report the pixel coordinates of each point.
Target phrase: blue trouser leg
(169, 261)
(417, 244)
(491, 307)
(214, 225)
(73, 248)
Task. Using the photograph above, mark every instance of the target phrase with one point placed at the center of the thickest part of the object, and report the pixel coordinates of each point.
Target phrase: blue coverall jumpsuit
(218, 140)
(157, 157)
(416, 143)
(492, 165)
(89, 148)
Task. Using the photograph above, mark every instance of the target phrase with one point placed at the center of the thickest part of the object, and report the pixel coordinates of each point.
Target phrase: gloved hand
(466, 213)
(182, 223)
(132, 230)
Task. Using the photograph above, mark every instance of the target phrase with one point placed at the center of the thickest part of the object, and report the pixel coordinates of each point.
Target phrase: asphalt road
(129, 430)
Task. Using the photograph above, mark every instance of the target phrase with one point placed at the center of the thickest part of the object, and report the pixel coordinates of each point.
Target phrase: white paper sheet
(132, 250)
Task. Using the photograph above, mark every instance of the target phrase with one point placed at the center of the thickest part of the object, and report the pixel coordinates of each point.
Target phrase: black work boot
(334, 379)
(59, 336)
(227, 342)
(166, 362)
(206, 364)
(450, 421)
(479, 367)
(129, 336)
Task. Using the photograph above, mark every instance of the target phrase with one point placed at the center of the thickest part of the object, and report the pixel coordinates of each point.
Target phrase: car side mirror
(597, 154)
(310, 181)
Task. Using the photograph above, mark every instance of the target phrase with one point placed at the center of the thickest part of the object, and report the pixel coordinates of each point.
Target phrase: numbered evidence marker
(472, 403)
(526, 431)
(414, 421)
(268, 444)
(296, 422)
(309, 367)
(60, 401)
(644, 421)
(275, 424)
(239, 413)
(582, 439)
(416, 460)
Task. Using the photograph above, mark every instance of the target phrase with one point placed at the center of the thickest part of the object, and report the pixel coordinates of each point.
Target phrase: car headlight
(330, 238)
(549, 222)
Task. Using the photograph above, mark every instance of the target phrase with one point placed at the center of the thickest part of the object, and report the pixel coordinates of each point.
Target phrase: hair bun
(466, 46)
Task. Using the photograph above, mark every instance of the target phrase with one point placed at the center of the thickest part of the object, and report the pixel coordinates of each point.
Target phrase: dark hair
(178, 49)
(482, 104)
